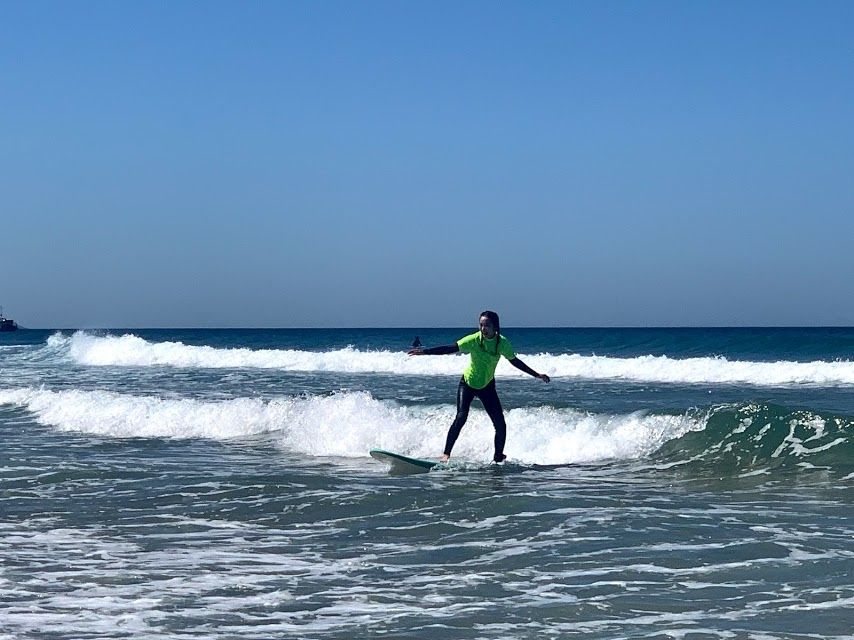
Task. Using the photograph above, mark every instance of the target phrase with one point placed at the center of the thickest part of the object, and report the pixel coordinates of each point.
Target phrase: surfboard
(401, 464)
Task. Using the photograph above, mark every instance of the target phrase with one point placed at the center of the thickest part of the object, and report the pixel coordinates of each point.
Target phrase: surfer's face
(487, 329)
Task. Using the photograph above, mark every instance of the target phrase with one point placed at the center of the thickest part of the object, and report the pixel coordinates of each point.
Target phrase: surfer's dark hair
(493, 318)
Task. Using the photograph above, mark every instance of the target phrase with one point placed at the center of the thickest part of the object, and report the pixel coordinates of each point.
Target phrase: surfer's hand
(544, 377)
(416, 352)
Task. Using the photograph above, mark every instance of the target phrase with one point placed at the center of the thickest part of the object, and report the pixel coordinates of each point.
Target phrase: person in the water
(486, 347)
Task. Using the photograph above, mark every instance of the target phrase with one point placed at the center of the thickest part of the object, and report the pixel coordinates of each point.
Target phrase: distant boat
(7, 325)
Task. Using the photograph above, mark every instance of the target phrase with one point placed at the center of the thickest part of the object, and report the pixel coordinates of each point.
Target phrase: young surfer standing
(486, 348)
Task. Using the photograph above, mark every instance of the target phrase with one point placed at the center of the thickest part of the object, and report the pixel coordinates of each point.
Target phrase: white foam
(131, 350)
(349, 424)
(124, 416)
(717, 370)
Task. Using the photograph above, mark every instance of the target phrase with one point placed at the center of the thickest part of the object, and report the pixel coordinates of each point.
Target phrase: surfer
(486, 347)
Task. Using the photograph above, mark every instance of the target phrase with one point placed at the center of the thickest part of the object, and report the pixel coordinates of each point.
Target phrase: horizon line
(424, 327)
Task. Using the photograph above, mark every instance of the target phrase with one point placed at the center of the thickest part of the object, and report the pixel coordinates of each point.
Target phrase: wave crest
(728, 440)
(131, 350)
(349, 424)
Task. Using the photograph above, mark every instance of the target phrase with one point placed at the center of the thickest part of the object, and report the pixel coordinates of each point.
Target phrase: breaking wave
(131, 350)
(349, 424)
(729, 439)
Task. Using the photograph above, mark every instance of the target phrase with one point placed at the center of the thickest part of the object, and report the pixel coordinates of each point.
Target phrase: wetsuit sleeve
(440, 351)
(523, 367)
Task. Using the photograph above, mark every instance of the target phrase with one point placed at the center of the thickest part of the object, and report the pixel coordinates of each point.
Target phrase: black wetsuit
(489, 397)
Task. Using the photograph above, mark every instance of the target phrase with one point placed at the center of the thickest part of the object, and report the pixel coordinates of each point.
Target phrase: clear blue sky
(408, 164)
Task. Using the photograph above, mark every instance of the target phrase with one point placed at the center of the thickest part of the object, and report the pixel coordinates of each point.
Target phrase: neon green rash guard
(485, 355)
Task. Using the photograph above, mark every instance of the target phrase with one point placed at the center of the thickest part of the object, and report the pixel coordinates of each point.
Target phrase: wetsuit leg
(489, 397)
(465, 394)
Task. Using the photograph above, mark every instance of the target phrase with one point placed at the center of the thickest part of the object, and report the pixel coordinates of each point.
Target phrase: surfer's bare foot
(500, 457)
(444, 457)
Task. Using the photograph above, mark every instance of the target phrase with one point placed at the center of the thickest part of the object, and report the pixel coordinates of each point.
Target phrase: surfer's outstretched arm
(435, 351)
(516, 362)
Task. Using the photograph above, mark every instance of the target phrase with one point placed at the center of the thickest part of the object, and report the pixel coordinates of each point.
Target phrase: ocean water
(668, 483)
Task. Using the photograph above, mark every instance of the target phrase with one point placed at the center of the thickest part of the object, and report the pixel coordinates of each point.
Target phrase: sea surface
(668, 483)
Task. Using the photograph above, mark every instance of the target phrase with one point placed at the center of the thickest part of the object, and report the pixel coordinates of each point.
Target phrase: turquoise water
(671, 483)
